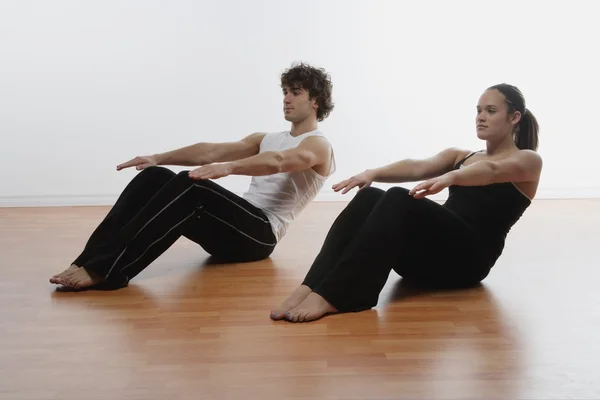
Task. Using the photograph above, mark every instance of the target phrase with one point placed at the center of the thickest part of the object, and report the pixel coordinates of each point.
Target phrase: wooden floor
(187, 330)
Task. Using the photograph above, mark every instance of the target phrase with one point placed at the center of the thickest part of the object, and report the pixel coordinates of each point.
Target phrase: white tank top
(284, 195)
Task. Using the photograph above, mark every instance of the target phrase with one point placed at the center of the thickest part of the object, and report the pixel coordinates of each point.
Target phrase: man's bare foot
(80, 279)
(58, 278)
(312, 308)
(295, 299)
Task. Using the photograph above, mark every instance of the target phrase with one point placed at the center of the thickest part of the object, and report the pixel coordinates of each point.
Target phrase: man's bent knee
(208, 183)
(153, 175)
(156, 171)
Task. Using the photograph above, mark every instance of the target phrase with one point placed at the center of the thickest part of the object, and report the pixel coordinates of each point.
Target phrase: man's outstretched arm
(201, 153)
(311, 152)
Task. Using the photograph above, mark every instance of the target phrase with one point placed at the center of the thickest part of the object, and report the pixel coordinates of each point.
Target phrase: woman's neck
(504, 146)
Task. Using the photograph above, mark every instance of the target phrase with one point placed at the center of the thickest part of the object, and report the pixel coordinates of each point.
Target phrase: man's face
(297, 106)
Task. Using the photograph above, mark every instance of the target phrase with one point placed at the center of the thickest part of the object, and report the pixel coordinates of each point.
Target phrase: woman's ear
(515, 118)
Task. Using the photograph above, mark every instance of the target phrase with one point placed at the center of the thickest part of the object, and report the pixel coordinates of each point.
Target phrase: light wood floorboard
(187, 330)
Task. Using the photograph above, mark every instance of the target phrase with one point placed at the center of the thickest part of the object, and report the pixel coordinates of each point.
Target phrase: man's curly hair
(316, 81)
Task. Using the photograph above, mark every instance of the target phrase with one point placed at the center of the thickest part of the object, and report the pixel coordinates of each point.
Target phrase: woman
(452, 245)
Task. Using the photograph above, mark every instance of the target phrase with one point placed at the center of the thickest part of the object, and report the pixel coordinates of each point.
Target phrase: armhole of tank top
(462, 161)
(521, 191)
(268, 136)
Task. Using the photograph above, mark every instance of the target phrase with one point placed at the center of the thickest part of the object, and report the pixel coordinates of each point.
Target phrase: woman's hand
(432, 186)
(362, 180)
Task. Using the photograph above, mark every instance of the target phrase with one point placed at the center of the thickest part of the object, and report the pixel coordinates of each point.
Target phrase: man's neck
(302, 127)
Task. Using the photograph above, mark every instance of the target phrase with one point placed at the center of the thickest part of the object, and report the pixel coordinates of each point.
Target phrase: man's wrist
(233, 167)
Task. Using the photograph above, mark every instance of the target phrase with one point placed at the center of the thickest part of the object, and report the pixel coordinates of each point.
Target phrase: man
(158, 206)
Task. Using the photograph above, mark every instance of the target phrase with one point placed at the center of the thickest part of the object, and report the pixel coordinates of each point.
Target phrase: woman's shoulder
(461, 154)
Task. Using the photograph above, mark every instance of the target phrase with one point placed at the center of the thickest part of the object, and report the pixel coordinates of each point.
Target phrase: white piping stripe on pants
(185, 219)
(146, 224)
(175, 199)
(228, 199)
(158, 240)
(245, 234)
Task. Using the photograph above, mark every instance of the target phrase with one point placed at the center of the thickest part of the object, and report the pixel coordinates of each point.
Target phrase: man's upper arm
(521, 166)
(311, 152)
(319, 147)
(250, 145)
(232, 151)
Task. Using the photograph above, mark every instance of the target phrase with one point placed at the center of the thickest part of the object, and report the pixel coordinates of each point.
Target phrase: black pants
(383, 230)
(156, 208)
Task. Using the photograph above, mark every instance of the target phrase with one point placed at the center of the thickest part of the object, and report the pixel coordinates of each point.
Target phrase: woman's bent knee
(369, 193)
(398, 191)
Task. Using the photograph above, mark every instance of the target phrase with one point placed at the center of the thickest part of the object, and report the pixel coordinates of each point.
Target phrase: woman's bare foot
(58, 278)
(295, 299)
(312, 308)
(80, 279)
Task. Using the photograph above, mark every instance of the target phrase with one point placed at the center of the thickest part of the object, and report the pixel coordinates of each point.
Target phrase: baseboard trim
(542, 194)
(325, 196)
(57, 201)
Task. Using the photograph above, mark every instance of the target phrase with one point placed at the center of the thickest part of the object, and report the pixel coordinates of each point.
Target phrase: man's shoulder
(316, 138)
(258, 138)
(274, 134)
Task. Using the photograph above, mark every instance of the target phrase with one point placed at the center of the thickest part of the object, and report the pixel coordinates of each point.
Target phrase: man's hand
(211, 171)
(362, 180)
(139, 163)
(432, 186)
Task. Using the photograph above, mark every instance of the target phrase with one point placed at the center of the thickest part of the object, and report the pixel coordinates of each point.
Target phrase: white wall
(85, 85)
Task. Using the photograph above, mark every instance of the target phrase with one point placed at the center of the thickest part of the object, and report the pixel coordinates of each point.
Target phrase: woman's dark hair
(527, 131)
(316, 81)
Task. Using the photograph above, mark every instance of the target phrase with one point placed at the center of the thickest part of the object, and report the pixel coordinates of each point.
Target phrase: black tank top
(491, 210)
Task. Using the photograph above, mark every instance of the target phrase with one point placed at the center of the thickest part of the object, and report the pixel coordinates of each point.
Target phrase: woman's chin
(483, 135)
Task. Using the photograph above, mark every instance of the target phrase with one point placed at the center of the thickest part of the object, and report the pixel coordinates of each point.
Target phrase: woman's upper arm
(521, 166)
(441, 162)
